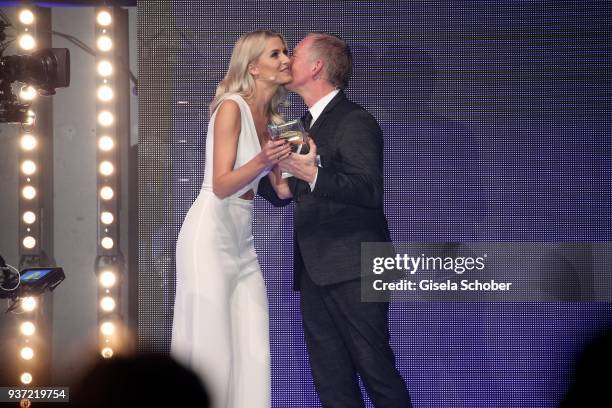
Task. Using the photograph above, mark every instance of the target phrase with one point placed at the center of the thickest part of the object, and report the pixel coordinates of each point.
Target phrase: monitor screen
(35, 275)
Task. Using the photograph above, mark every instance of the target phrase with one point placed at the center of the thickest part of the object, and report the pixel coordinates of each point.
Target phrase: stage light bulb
(28, 303)
(105, 118)
(105, 68)
(29, 217)
(107, 218)
(30, 117)
(107, 193)
(107, 328)
(29, 242)
(107, 279)
(26, 378)
(27, 93)
(28, 192)
(106, 143)
(28, 142)
(104, 43)
(104, 18)
(105, 93)
(106, 168)
(26, 17)
(26, 41)
(28, 167)
(107, 352)
(107, 304)
(107, 243)
(27, 353)
(27, 328)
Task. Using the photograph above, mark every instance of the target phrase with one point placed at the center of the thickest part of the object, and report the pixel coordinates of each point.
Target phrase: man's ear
(317, 69)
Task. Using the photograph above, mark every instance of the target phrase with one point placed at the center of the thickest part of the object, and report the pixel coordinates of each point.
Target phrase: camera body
(45, 70)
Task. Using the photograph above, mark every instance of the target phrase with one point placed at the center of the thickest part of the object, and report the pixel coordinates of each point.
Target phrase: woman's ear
(253, 70)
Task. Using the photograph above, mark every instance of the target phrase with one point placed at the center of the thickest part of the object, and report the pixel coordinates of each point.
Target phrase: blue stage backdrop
(496, 118)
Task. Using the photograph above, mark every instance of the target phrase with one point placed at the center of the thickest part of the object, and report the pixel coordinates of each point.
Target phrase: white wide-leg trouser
(220, 327)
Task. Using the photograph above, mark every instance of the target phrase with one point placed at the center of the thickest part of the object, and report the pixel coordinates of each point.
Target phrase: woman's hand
(274, 151)
(302, 166)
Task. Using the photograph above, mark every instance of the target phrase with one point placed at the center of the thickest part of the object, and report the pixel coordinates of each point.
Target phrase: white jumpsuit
(220, 326)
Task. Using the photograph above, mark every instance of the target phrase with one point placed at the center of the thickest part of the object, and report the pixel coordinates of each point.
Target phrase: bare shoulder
(228, 116)
(228, 108)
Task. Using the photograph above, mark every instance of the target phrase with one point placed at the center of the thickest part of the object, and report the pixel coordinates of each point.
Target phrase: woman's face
(272, 66)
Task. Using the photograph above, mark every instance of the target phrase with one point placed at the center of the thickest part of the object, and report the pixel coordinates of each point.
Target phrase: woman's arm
(226, 180)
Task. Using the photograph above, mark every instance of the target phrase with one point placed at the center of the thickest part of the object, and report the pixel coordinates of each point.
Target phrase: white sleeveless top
(248, 146)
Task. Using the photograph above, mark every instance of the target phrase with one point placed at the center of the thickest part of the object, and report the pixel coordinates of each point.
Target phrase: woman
(220, 326)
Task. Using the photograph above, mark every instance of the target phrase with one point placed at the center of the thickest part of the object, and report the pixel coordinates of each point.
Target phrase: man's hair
(337, 57)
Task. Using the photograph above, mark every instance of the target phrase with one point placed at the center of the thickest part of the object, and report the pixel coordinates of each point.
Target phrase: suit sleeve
(358, 178)
(266, 190)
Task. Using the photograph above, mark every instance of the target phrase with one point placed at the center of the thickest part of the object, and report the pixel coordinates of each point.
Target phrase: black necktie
(306, 119)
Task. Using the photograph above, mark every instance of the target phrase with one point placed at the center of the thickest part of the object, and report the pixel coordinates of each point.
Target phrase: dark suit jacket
(346, 206)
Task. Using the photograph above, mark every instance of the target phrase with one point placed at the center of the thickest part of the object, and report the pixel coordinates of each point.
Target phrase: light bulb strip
(29, 156)
(109, 264)
(108, 275)
(106, 159)
(35, 147)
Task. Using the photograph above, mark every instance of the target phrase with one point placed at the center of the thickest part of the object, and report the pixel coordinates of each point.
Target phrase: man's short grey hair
(336, 55)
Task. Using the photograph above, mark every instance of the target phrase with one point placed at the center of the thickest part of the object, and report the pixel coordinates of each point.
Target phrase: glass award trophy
(292, 131)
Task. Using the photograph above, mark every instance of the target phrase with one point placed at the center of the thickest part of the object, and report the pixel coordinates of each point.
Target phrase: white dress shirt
(315, 111)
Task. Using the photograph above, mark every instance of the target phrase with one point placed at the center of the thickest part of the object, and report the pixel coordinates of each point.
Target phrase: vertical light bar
(29, 204)
(29, 157)
(109, 263)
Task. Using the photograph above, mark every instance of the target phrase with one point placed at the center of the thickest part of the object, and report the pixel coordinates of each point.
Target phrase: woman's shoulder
(228, 108)
(230, 102)
(234, 97)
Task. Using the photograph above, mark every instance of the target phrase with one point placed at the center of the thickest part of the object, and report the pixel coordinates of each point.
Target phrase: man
(339, 205)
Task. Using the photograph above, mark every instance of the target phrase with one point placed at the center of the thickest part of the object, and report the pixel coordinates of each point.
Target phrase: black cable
(76, 42)
(90, 51)
(5, 45)
(6, 19)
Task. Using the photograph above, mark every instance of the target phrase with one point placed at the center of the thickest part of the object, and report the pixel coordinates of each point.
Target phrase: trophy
(292, 131)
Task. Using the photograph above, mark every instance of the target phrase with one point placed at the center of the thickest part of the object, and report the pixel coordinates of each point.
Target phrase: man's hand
(302, 166)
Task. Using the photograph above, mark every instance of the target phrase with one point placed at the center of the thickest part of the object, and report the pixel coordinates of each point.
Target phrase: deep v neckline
(252, 121)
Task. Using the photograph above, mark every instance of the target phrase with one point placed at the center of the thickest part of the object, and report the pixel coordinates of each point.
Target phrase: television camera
(45, 70)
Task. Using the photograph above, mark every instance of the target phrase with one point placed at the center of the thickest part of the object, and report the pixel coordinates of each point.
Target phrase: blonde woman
(220, 326)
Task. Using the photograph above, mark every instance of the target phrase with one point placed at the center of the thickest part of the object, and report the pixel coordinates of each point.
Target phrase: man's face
(301, 65)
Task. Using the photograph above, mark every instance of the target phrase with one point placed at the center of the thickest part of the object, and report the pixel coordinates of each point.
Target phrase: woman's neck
(261, 99)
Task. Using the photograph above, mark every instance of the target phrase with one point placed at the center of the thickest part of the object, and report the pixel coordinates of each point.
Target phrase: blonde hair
(238, 80)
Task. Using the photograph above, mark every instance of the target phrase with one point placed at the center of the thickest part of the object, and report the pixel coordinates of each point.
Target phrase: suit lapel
(300, 187)
(330, 106)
